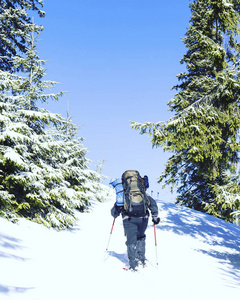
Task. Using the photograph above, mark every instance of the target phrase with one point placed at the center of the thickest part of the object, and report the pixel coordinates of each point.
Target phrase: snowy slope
(198, 256)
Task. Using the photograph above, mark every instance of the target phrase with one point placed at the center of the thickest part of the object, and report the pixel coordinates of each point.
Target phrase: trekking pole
(155, 237)
(110, 234)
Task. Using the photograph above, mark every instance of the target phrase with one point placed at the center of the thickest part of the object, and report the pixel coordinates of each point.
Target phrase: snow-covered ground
(198, 258)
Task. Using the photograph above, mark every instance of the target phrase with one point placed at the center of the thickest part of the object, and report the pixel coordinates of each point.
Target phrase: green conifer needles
(44, 172)
(203, 135)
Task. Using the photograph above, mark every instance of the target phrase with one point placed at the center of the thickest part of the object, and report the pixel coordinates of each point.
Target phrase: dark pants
(135, 232)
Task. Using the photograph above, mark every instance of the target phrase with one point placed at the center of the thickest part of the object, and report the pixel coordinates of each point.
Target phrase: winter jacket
(117, 210)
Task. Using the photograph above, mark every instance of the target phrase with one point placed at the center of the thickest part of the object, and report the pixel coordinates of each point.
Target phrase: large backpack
(136, 201)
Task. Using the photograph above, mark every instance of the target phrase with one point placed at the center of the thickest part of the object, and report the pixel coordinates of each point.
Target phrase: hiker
(134, 209)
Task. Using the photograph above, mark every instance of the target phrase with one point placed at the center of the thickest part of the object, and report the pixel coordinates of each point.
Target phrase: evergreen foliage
(14, 28)
(44, 171)
(203, 135)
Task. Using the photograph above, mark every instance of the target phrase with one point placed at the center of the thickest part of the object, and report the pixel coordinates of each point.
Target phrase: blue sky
(118, 59)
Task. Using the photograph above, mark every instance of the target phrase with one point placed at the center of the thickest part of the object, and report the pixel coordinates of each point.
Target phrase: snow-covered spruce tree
(14, 28)
(83, 183)
(38, 179)
(203, 133)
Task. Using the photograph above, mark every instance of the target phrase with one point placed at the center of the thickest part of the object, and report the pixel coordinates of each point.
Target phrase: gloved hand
(155, 220)
(116, 210)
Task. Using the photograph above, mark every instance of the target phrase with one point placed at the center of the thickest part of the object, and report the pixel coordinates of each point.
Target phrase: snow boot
(140, 250)
(132, 256)
(130, 269)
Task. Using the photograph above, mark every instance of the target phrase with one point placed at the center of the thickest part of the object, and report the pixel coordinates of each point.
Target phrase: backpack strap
(147, 201)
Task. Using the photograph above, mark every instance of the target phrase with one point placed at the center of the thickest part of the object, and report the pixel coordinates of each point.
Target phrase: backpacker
(136, 201)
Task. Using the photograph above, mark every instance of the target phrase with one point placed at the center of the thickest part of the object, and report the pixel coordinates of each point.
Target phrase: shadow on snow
(120, 256)
(210, 230)
(4, 289)
(8, 244)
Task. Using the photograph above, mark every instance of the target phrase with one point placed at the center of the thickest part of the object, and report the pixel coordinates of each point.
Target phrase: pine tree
(84, 183)
(44, 173)
(203, 134)
(14, 28)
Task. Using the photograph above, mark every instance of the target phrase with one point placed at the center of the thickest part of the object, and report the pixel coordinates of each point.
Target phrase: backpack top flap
(133, 186)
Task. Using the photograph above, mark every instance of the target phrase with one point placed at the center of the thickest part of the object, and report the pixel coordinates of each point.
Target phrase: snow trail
(198, 258)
